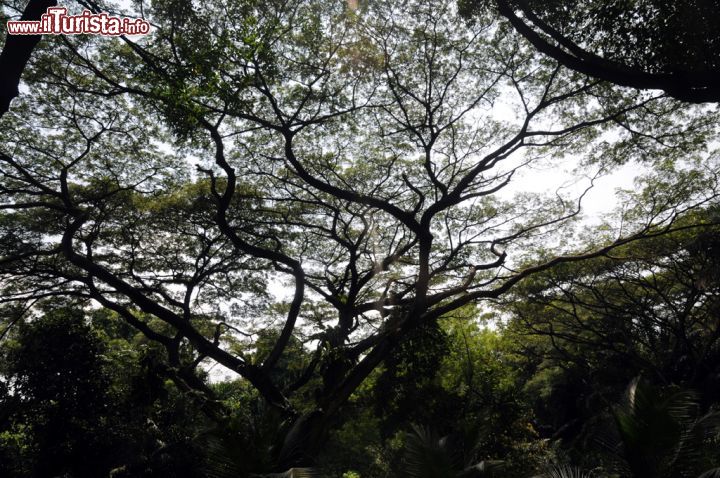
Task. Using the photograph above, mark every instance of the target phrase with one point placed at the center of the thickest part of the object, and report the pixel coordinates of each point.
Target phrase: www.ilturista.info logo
(57, 22)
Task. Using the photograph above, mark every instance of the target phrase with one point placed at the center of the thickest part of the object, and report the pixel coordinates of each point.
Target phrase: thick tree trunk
(303, 441)
(16, 53)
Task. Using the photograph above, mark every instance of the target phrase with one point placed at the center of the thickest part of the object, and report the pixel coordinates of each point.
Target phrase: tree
(583, 331)
(668, 46)
(16, 53)
(455, 389)
(657, 432)
(82, 405)
(648, 308)
(57, 375)
(353, 152)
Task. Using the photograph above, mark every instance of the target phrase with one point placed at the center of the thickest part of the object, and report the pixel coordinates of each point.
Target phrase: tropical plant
(428, 455)
(662, 433)
(565, 471)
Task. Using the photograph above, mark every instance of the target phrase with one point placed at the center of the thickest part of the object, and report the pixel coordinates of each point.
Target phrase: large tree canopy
(356, 156)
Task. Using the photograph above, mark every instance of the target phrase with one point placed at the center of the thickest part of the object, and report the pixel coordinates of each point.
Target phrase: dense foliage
(300, 237)
(656, 44)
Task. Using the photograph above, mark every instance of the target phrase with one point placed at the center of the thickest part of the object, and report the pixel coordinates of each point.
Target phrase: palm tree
(663, 434)
(428, 455)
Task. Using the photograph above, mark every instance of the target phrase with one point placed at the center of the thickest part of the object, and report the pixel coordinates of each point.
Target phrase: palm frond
(660, 433)
(291, 473)
(428, 455)
(482, 469)
(713, 473)
(565, 471)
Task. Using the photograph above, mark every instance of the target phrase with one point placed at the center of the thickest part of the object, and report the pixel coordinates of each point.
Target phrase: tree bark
(16, 53)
